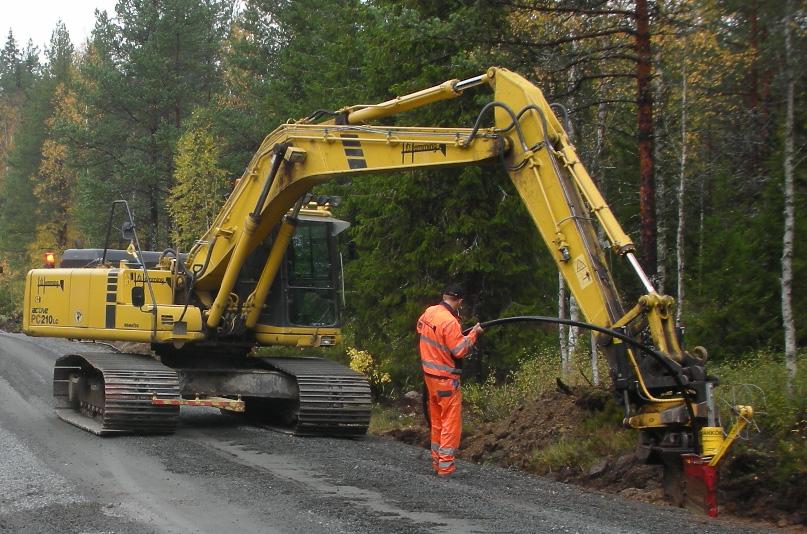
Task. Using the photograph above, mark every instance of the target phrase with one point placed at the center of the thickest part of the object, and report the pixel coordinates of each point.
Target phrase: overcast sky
(35, 19)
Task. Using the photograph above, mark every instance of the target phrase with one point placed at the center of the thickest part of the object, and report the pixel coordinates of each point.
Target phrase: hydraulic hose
(674, 368)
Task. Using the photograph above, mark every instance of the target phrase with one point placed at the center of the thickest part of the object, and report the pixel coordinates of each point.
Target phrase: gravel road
(218, 475)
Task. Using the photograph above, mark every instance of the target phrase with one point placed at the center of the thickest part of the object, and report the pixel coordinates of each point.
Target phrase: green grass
(779, 430)
(385, 418)
(778, 433)
(582, 452)
(599, 435)
(536, 373)
(566, 452)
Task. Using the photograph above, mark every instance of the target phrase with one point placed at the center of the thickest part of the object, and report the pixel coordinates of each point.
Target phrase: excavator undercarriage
(112, 393)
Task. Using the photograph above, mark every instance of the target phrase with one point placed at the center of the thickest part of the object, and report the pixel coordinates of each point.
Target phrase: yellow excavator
(267, 273)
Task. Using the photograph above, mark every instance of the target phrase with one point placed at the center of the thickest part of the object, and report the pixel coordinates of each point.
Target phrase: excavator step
(111, 393)
(333, 399)
(222, 403)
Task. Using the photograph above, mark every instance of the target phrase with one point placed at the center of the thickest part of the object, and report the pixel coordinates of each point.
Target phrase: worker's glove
(477, 329)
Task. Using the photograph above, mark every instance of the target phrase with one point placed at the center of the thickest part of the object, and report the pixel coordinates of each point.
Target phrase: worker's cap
(454, 290)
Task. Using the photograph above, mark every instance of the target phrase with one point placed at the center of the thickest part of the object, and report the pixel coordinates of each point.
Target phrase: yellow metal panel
(109, 334)
(297, 336)
(330, 151)
(97, 304)
(26, 303)
(161, 282)
(79, 309)
(646, 420)
(47, 293)
(551, 196)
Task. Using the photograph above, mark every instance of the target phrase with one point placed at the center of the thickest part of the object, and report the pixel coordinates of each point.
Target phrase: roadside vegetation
(572, 431)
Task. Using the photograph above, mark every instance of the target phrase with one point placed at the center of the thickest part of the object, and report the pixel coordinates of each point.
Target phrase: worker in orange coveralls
(441, 342)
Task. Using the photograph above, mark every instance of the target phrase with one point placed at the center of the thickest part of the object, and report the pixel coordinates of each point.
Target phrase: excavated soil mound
(532, 426)
(553, 418)
(560, 416)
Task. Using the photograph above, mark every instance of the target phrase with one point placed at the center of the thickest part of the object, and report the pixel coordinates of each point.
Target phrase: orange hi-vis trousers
(445, 414)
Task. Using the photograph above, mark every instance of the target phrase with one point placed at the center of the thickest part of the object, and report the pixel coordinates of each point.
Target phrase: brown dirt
(132, 348)
(11, 322)
(555, 416)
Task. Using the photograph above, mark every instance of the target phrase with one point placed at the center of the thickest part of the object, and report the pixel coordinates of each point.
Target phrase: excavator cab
(307, 292)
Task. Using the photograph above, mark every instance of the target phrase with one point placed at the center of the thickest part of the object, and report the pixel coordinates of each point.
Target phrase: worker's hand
(477, 329)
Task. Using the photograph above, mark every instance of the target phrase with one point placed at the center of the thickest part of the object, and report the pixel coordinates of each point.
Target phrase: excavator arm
(558, 193)
(556, 189)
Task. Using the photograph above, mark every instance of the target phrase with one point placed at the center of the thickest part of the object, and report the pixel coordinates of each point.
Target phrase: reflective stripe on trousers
(445, 412)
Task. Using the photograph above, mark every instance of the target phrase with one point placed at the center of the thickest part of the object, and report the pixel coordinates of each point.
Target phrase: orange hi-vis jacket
(441, 341)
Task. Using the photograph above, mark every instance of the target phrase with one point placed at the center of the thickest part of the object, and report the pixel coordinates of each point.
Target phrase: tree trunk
(600, 146)
(574, 333)
(562, 328)
(644, 98)
(595, 366)
(789, 231)
(565, 332)
(661, 189)
(597, 166)
(679, 240)
(701, 216)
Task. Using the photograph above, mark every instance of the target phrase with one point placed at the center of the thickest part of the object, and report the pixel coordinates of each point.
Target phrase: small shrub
(12, 288)
(489, 401)
(363, 362)
(535, 374)
(759, 379)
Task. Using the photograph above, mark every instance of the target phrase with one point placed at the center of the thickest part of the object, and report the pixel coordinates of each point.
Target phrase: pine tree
(145, 73)
(200, 186)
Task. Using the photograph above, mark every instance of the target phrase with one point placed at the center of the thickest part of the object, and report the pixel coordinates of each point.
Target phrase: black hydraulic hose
(277, 159)
(180, 264)
(321, 113)
(513, 124)
(670, 366)
(195, 275)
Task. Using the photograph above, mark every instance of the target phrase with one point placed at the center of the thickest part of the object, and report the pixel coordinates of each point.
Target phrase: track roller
(333, 400)
(112, 393)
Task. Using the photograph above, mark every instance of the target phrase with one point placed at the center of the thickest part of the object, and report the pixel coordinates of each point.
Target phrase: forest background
(688, 114)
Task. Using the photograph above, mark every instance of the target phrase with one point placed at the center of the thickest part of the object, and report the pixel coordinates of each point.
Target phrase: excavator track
(333, 400)
(111, 393)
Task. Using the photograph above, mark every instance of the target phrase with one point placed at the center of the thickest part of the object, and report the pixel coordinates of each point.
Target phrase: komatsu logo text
(42, 283)
(140, 278)
(414, 148)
